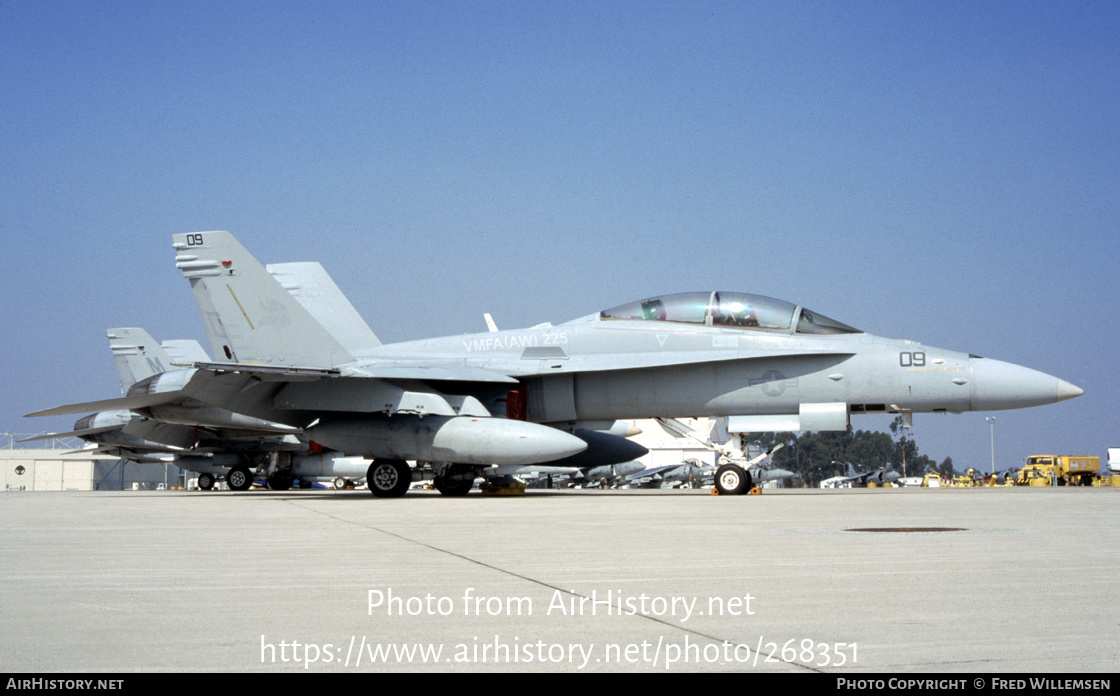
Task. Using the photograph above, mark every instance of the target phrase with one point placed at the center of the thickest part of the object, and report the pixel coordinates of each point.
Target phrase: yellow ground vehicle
(969, 479)
(1060, 470)
(932, 480)
(1037, 474)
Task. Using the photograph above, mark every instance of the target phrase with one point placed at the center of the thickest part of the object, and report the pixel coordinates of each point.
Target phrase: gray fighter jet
(209, 452)
(688, 472)
(493, 402)
(136, 356)
(857, 479)
(237, 448)
(606, 476)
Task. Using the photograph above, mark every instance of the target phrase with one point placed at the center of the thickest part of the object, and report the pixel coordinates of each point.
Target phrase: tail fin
(313, 288)
(248, 316)
(136, 355)
(184, 351)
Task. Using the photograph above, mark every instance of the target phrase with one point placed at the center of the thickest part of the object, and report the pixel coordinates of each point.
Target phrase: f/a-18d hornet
(490, 403)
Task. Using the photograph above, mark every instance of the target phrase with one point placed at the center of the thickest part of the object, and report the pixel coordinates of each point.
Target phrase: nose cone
(1067, 390)
(1000, 385)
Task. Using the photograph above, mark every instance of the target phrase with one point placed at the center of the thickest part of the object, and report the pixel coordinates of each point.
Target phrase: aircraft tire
(239, 478)
(732, 480)
(389, 478)
(339, 483)
(280, 482)
(453, 486)
(205, 482)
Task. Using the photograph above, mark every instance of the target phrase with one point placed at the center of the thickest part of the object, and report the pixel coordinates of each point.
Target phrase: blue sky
(944, 172)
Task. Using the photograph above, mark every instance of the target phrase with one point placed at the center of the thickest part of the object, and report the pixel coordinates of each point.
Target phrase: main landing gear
(239, 478)
(389, 478)
(454, 484)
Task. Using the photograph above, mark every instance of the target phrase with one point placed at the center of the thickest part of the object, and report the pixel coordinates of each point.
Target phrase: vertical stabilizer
(248, 316)
(185, 351)
(136, 356)
(313, 288)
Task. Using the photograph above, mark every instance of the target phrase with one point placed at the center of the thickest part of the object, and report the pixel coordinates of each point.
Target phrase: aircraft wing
(73, 433)
(434, 371)
(647, 473)
(494, 371)
(557, 361)
(442, 371)
(267, 391)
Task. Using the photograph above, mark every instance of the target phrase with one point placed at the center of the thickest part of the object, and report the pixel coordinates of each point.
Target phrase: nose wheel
(731, 479)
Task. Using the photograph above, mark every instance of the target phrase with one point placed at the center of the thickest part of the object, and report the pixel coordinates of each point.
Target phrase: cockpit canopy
(730, 309)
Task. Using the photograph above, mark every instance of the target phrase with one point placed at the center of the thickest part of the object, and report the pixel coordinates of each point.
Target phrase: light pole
(992, 422)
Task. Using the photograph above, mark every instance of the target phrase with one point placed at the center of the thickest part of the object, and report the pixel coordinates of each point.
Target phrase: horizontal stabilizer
(130, 454)
(126, 403)
(104, 449)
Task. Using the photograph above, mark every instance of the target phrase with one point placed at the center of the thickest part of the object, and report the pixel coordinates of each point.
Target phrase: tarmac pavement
(992, 580)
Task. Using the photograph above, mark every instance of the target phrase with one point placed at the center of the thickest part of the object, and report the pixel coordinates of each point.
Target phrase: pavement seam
(523, 577)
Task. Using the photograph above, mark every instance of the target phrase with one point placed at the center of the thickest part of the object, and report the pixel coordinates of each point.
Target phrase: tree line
(811, 455)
